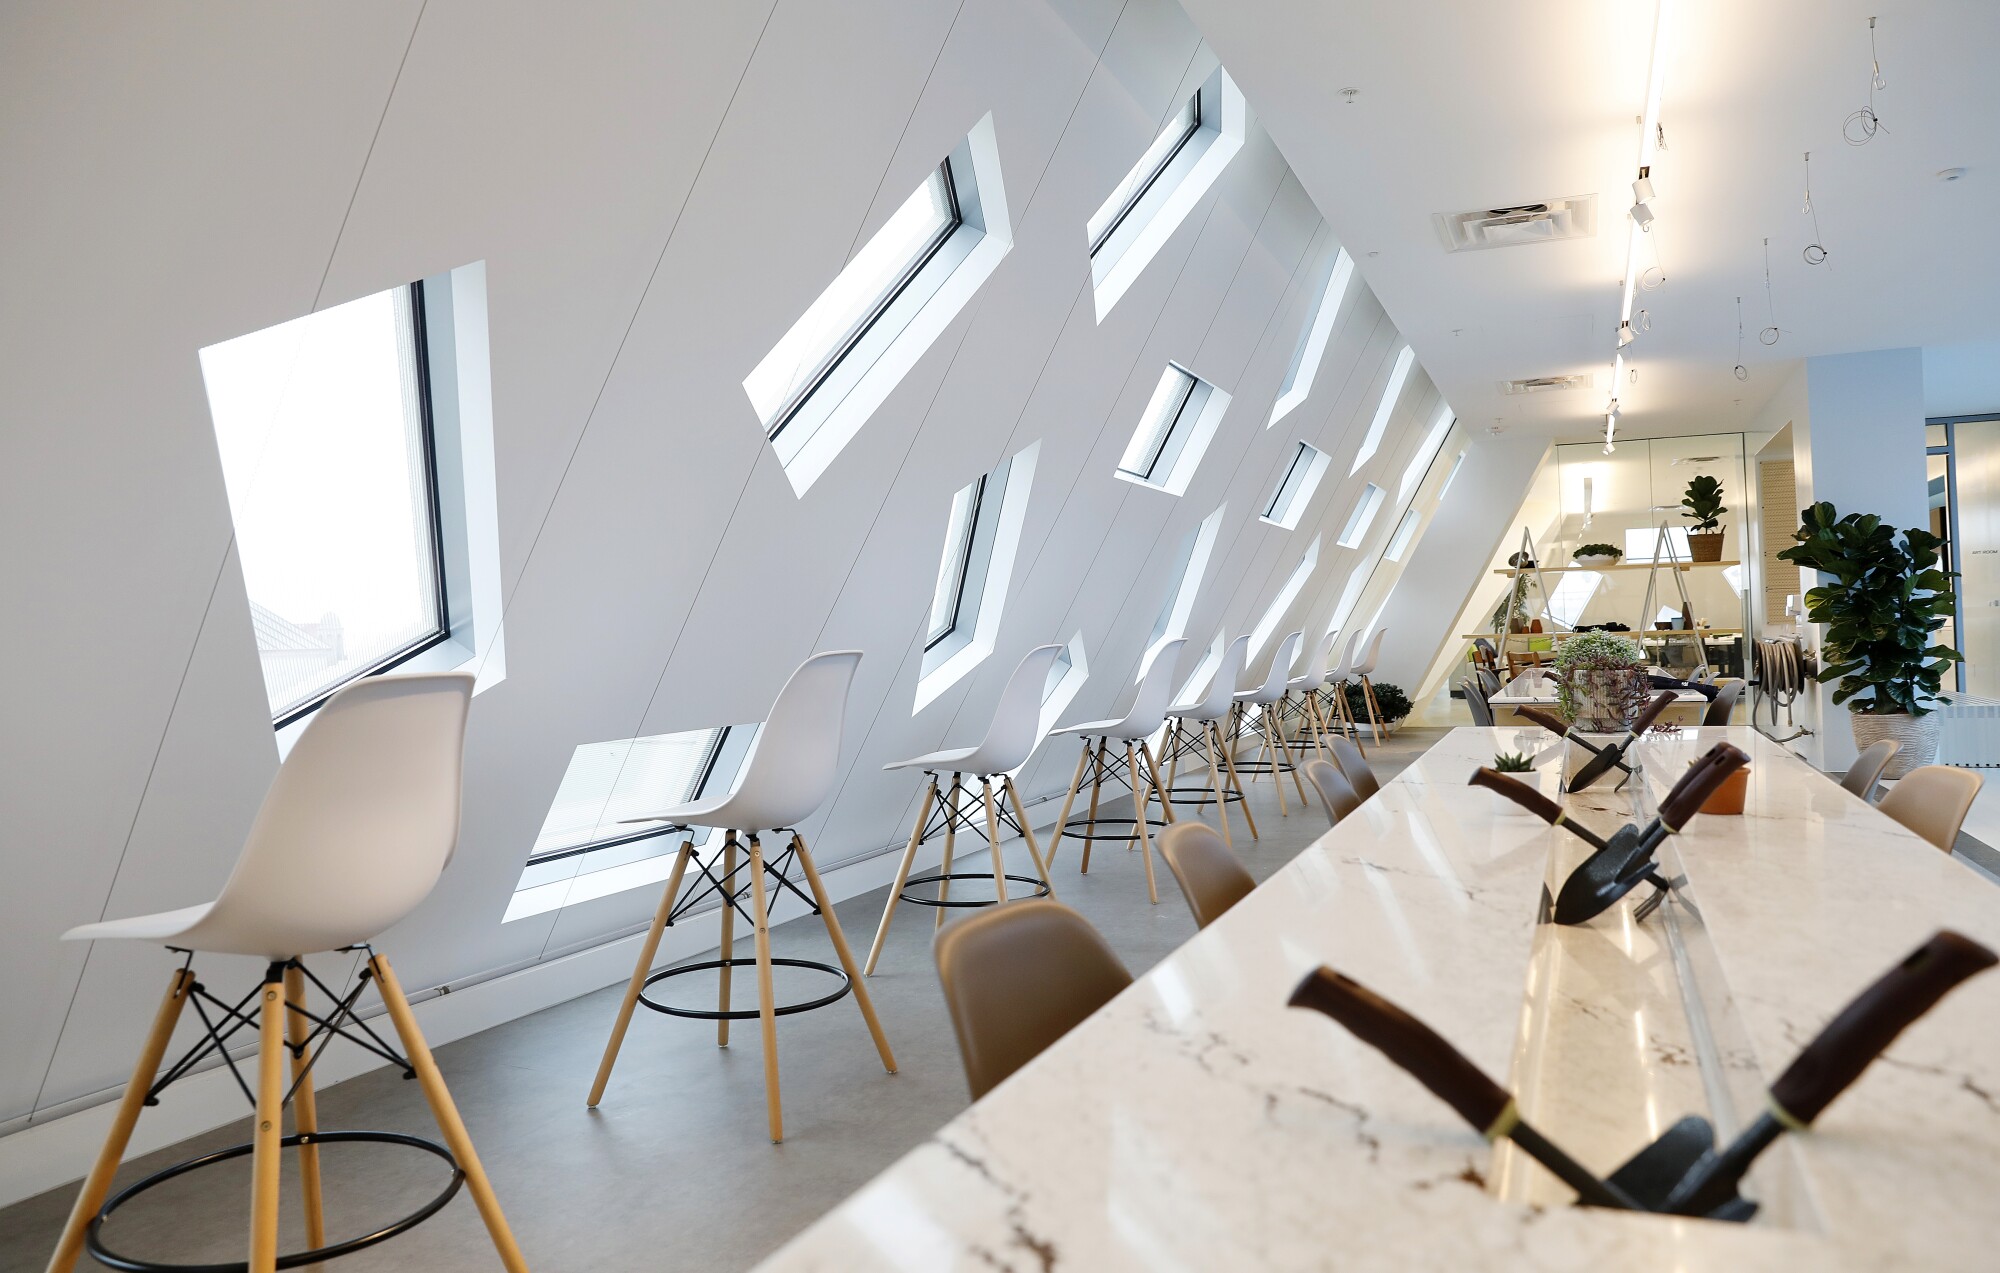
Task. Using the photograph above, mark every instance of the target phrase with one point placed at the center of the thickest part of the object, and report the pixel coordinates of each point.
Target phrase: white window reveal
(1451, 477)
(1420, 463)
(1174, 432)
(1399, 543)
(982, 534)
(1152, 199)
(1572, 594)
(1358, 521)
(1191, 565)
(1294, 584)
(357, 453)
(853, 345)
(1312, 341)
(1066, 677)
(1295, 488)
(1398, 376)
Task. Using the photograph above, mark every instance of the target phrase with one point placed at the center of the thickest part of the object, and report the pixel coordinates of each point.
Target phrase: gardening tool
(1613, 756)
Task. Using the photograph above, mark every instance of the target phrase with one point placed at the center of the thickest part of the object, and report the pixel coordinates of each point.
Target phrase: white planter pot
(1917, 734)
(1595, 559)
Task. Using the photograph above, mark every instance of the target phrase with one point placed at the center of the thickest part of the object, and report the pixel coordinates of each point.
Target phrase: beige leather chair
(1210, 877)
(1017, 978)
(1722, 707)
(1933, 802)
(1354, 768)
(1867, 768)
(1336, 795)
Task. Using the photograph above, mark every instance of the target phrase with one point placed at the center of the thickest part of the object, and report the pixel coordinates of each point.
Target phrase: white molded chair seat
(1149, 705)
(1313, 674)
(1343, 671)
(1276, 682)
(1221, 696)
(1366, 667)
(1017, 718)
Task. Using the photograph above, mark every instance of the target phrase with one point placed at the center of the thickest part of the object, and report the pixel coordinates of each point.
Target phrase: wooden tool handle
(1546, 719)
(1651, 712)
(1519, 792)
(1700, 782)
(1841, 1051)
(1409, 1043)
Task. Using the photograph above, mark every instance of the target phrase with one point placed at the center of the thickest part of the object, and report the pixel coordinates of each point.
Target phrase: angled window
(1572, 594)
(1156, 194)
(836, 364)
(1398, 375)
(1641, 543)
(1452, 476)
(1192, 564)
(1066, 677)
(982, 533)
(1174, 432)
(1312, 341)
(1399, 543)
(354, 447)
(1364, 512)
(1295, 489)
(1427, 451)
(1343, 609)
(586, 850)
(1295, 584)
(1204, 672)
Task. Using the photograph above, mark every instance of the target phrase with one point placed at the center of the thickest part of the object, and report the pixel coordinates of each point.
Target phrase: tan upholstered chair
(1867, 768)
(1933, 802)
(1210, 877)
(1354, 768)
(1336, 794)
(1017, 978)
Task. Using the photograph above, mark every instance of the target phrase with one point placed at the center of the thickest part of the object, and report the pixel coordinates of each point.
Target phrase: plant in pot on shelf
(1597, 555)
(1600, 680)
(1703, 502)
(1881, 601)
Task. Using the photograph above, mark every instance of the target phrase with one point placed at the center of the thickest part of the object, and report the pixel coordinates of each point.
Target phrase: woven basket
(1706, 545)
(1917, 734)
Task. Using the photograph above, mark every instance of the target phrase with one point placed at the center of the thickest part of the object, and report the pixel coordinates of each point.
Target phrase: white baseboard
(59, 1147)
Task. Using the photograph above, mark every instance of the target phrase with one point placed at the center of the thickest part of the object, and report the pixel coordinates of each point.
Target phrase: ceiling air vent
(1544, 384)
(1572, 218)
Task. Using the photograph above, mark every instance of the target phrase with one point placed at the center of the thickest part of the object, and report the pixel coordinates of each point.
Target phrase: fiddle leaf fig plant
(1881, 600)
(1703, 502)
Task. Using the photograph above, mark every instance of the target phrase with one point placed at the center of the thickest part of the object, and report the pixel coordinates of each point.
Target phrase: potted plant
(1704, 507)
(1600, 680)
(1597, 555)
(1881, 600)
(1512, 762)
(1391, 703)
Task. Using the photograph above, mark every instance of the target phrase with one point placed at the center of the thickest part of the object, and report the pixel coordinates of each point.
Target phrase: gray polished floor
(674, 1170)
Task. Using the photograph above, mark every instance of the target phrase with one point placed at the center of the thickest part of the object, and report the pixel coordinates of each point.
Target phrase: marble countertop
(1197, 1123)
(1540, 691)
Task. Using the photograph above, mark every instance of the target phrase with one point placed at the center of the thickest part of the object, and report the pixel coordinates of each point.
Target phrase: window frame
(909, 274)
(1166, 161)
(1362, 519)
(1172, 459)
(936, 635)
(1297, 487)
(419, 353)
(718, 741)
(1172, 430)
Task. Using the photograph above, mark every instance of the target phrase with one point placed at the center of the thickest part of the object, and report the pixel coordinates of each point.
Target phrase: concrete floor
(674, 1170)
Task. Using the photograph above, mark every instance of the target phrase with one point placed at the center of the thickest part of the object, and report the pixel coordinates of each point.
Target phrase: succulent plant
(1512, 762)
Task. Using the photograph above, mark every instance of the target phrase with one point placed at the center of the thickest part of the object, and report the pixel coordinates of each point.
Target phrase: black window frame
(1300, 454)
(700, 789)
(909, 275)
(421, 361)
(1173, 425)
(933, 639)
(1152, 178)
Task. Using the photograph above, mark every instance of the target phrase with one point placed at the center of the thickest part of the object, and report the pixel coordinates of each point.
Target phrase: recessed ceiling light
(1950, 174)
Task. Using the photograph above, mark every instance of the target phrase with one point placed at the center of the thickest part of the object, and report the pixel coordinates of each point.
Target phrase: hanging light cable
(1643, 216)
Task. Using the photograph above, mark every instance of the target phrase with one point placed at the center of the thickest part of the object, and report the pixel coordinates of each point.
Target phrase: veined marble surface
(1197, 1123)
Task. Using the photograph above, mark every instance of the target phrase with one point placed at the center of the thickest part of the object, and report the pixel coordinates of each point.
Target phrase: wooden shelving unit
(1623, 565)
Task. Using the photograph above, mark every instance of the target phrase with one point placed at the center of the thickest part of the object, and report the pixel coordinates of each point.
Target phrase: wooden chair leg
(1374, 708)
(1028, 835)
(1153, 769)
(1139, 814)
(1229, 765)
(767, 1005)
(833, 931)
(1062, 819)
(1209, 742)
(648, 951)
(902, 874)
(993, 840)
(305, 1111)
(1173, 742)
(1319, 727)
(1275, 757)
(729, 845)
(267, 1127)
(90, 1196)
(1292, 764)
(950, 842)
(445, 1113)
(1096, 792)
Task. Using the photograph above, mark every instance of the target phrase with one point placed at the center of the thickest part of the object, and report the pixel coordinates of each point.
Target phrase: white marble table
(1531, 689)
(1197, 1123)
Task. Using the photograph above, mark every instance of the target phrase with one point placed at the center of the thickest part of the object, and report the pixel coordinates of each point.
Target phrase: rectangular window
(1641, 542)
(1312, 341)
(836, 322)
(1399, 375)
(628, 778)
(1399, 543)
(982, 535)
(1174, 431)
(1295, 489)
(1452, 476)
(948, 598)
(325, 433)
(1573, 591)
(1190, 565)
(1427, 451)
(1172, 140)
(1293, 585)
(1358, 521)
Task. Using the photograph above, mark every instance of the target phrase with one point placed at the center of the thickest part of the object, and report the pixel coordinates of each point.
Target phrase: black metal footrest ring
(747, 1014)
(94, 1242)
(1041, 889)
(1203, 795)
(1262, 767)
(1070, 831)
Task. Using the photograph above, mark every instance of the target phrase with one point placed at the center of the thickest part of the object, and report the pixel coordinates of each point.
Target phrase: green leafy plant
(1390, 700)
(1598, 550)
(1511, 762)
(1881, 600)
(1703, 502)
(1599, 652)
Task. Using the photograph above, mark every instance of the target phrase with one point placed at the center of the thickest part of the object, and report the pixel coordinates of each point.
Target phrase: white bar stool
(1010, 740)
(352, 835)
(1361, 672)
(1302, 700)
(1337, 678)
(787, 775)
(1199, 728)
(1138, 769)
(1274, 757)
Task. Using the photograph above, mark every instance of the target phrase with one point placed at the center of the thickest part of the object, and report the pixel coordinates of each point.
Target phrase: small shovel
(1613, 756)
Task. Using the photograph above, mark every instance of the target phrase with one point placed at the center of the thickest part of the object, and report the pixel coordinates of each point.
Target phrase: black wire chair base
(1205, 795)
(94, 1240)
(1070, 829)
(935, 877)
(747, 1014)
